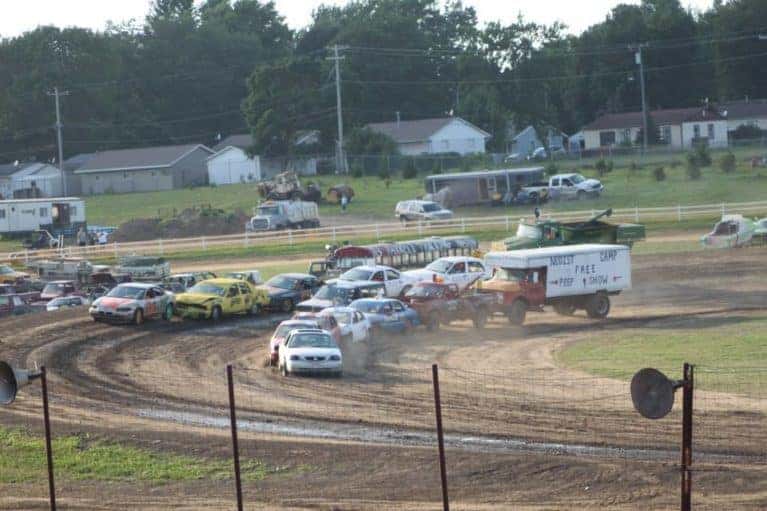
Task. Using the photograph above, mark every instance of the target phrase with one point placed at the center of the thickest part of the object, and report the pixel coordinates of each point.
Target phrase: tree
(653, 133)
(363, 141)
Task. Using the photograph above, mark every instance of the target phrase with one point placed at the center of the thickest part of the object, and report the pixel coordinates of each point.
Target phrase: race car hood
(314, 305)
(194, 298)
(111, 302)
(274, 291)
(420, 275)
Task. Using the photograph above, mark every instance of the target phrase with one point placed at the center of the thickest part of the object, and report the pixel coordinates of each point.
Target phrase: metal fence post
(723, 209)
(440, 437)
(687, 391)
(334, 234)
(204, 246)
(235, 445)
(378, 230)
(463, 224)
(116, 250)
(636, 214)
(159, 245)
(290, 238)
(507, 224)
(679, 213)
(48, 446)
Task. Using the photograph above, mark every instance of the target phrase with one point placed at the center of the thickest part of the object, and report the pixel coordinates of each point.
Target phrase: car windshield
(284, 330)
(52, 289)
(317, 340)
(206, 288)
(528, 231)
(510, 275)
(371, 306)
(343, 317)
(331, 291)
(577, 178)
(425, 291)
(135, 293)
(431, 207)
(281, 282)
(5, 270)
(439, 266)
(268, 210)
(356, 274)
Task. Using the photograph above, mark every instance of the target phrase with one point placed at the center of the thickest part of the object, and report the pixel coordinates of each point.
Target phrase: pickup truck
(564, 186)
(462, 271)
(439, 304)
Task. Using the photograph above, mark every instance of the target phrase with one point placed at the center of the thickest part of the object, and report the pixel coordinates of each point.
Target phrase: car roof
(296, 275)
(61, 282)
(454, 259)
(372, 267)
(142, 285)
(290, 322)
(309, 331)
(223, 281)
(351, 284)
(330, 310)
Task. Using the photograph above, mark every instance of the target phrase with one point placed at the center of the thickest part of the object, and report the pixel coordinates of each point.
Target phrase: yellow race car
(214, 298)
(10, 276)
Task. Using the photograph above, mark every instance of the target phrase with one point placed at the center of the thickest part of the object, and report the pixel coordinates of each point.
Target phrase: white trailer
(566, 277)
(60, 215)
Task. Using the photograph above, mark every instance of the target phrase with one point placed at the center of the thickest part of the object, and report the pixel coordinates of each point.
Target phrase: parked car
(326, 322)
(59, 288)
(340, 292)
(354, 325)
(731, 231)
(215, 298)
(189, 279)
(408, 210)
(133, 303)
(252, 276)
(287, 289)
(66, 302)
(514, 158)
(387, 315)
(176, 288)
(395, 283)
(459, 270)
(760, 232)
(540, 153)
(310, 351)
(14, 305)
(144, 267)
(281, 333)
(574, 186)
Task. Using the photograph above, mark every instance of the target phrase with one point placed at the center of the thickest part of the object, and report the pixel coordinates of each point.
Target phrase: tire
(580, 195)
(517, 312)
(480, 318)
(168, 312)
(405, 290)
(284, 371)
(565, 308)
(138, 317)
(403, 219)
(254, 310)
(215, 314)
(598, 306)
(286, 305)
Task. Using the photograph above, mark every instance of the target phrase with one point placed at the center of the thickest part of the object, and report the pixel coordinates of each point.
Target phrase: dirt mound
(191, 222)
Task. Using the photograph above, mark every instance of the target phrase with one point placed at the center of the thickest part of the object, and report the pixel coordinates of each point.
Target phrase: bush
(601, 167)
(700, 155)
(410, 171)
(551, 169)
(675, 163)
(659, 173)
(610, 166)
(727, 162)
(384, 174)
(693, 166)
(357, 171)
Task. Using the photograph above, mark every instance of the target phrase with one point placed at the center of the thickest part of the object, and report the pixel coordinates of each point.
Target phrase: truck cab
(573, 186)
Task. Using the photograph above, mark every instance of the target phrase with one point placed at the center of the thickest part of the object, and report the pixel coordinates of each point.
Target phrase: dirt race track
(523, 433)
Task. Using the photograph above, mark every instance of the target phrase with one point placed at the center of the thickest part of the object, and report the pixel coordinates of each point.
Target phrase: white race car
(396, 284)
(310, 351)
(133, 303)
(354, 325)
(462, 271)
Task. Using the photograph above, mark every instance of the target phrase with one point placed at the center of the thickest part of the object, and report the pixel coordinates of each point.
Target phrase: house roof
(744, 109)
(77, 161)
(420, 130)
(660, 117)
(243, 141)
(485, 173)
(8, 169)
(138, 158)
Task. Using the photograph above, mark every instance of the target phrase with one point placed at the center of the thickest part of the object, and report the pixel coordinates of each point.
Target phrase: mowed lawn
(730, 352)
(374, 200)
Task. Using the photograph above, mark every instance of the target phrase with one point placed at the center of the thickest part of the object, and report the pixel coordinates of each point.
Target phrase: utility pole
(56, 94)
(640, 62)
(341, 165)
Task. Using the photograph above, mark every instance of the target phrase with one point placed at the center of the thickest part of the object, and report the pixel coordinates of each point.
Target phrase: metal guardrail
(378, 231)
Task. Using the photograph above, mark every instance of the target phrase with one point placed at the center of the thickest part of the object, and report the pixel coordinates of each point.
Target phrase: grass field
(373, 200)
(725, 349)
(22, 458)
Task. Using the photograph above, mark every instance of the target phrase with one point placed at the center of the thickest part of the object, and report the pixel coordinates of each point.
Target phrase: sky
(28, 14)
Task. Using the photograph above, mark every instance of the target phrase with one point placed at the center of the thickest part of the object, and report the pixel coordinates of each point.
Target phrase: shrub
(659, 173)
(357, 171)
(693, 166)
(674, 163)
(410, 171)
(601, 167)
(610, 166)
(551, 169)
(727, 162)
(701, 155)
(384, 174)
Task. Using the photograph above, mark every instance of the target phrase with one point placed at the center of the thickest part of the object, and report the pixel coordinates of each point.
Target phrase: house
(527, 141)
(483, 186)
(232, 164)
(30, 180)
(679, 128)
(747, 112)
(145, 169)
(434, 136)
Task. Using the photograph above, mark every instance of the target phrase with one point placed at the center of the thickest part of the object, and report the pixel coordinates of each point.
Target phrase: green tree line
(187, 73)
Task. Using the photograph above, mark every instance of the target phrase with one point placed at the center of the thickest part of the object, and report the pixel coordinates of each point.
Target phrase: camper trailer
(56, 215)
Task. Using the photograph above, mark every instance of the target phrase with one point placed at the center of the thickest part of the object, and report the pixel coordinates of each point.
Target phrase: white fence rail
(378, 231)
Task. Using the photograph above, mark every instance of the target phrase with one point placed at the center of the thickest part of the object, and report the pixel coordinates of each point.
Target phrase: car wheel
(405, 290)
(284, 370)
(138, 317)
(517, 312)
(255, 309)
(286, 305)
(598, 306)
(403, 219)
(168, 313)
(215, 314)
(480, 318)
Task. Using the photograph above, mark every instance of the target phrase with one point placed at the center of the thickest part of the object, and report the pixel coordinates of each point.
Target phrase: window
(475, 267)
(711, 130)
(2, 213)
(43, 212)
(244, 289)
(233, 291)
(73, 211)
(392, 275)
(458, 268)
(696, 131)
(378, 276)
(397, 307)
(555, 182)
(627, 135)
(606, 138)
(665, 134)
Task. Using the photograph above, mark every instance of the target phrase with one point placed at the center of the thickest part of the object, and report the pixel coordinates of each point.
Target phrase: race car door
(393, 283)
(234, 300)
(359, 327)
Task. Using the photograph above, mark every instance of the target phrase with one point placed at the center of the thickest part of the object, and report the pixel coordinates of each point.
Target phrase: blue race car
(387, 315)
